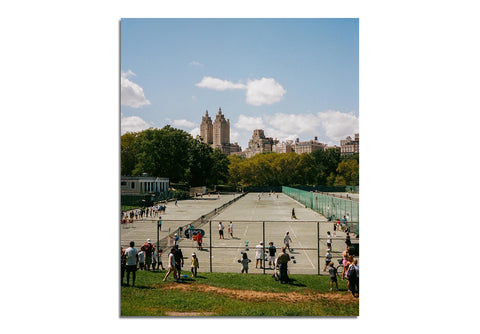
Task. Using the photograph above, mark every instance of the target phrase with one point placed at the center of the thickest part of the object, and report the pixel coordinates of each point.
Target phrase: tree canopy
(174, 153)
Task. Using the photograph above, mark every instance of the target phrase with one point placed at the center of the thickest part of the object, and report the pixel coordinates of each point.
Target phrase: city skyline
(294, 78)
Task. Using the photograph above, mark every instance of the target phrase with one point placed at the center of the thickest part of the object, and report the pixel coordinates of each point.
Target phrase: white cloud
(182, 123)
(303, 124)
(330, 127)
(264, 91)
(195, 132)
(133, 124)
(249, 123)
(259, 91)
(131, 94)
(219, 84)
(338, 125)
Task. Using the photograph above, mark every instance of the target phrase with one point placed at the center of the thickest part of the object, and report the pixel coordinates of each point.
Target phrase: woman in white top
(171, 265)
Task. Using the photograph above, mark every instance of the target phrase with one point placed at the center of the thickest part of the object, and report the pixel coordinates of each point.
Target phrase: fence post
(263, 254)
(318, 247)
(210, 228)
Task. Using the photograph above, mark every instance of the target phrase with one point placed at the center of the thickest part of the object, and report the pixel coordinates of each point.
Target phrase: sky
(294, 78)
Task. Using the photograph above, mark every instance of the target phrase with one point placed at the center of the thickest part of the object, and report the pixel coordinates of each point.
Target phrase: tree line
(174, 153)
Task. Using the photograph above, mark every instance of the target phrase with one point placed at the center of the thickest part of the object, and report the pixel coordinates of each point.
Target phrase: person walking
(282, 262)
(259, 255)
(131, 254)
(286, 240)
(171, 265)
(194, 265)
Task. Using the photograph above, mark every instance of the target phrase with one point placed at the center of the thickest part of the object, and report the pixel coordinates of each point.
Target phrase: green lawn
(232, 294)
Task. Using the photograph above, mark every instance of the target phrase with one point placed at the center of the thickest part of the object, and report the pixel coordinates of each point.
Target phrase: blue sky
(291, 77)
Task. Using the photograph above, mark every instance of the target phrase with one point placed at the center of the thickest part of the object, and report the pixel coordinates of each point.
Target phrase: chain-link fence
(221, 252)
(329, 206)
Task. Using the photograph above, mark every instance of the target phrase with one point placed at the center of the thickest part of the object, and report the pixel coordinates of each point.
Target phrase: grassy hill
(232, 294)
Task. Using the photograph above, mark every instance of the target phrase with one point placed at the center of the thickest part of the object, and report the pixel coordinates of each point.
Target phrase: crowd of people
(350, 269)
(141, 213)
(148, 258)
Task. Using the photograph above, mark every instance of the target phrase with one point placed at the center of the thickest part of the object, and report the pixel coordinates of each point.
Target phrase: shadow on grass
(294, 282)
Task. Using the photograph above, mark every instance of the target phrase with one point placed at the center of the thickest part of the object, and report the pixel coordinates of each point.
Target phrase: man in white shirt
(221, 227)
(131, 255)
(259, 254)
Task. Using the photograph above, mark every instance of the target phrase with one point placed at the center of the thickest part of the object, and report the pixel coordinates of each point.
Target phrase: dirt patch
(249, 295)
(188, 314)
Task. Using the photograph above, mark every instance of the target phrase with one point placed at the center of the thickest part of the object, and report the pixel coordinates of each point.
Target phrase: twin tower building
(217, 134)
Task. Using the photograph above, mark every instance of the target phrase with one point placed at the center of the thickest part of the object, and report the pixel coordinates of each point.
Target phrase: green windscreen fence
(328, 206)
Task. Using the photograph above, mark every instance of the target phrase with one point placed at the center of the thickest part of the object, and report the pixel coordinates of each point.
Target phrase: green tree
(219, 169)
(349, 170)
(127, 153)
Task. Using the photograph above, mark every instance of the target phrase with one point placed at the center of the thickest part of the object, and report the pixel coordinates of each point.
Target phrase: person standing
(123, 264)
(171, 265)
(131, 254)
(178, 261)
(221, 227)
(230, 229)
(159, 260)
(344, 223)
(329, 240)
(333, 275)
(352, 276)
(286, 240)
(159, 223)
(244, 261)
(141, 260)
(293, 214)
(328, 259)
(259, 255)
(271, 254)
(148, 248)
(282, 262)
(195, 265)
(348, 242)
(199, 240)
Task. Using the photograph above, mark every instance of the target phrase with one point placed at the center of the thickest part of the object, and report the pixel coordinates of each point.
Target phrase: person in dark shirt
(271, 254)
(178, 261)
(333, 275)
